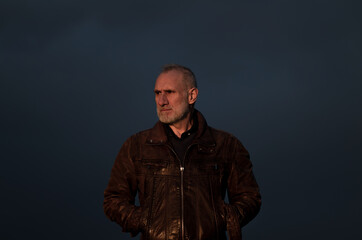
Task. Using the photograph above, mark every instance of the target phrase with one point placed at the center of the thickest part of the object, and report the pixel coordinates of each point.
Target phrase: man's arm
(119, 196)
(243, 191)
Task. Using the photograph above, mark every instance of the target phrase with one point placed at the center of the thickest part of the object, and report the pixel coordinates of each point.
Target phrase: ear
(192, 97)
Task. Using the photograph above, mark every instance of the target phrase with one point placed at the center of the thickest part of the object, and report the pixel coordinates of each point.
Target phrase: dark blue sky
(282, 76)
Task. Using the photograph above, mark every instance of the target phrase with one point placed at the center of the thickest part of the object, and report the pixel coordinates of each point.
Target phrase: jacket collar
(203, 135)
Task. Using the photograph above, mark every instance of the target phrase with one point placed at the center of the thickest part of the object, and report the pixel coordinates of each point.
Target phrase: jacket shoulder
(227, 139)
(139, 135)
(143, 133)
(217, 133)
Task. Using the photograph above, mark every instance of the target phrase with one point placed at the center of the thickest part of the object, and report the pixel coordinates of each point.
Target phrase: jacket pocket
(209, 168)
(154, 166)
(221, 214)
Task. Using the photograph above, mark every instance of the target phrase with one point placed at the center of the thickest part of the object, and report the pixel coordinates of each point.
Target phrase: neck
(182, 126)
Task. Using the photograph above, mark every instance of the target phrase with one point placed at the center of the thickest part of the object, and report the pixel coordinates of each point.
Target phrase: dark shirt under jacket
(180, 145)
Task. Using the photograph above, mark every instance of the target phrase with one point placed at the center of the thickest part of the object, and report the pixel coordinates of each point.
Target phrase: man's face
(171, 97)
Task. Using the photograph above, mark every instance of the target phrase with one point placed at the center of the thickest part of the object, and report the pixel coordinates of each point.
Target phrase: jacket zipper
(182, 168)
(181, 184)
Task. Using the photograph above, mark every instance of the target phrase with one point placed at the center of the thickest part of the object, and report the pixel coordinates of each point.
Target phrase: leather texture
(182, 198)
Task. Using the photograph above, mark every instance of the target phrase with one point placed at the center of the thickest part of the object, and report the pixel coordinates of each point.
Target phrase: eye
(157, 92)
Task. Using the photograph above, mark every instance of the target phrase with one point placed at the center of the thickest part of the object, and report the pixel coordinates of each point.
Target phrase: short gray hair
(189, 76)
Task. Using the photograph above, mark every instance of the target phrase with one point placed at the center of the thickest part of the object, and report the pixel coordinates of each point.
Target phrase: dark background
(77, 80)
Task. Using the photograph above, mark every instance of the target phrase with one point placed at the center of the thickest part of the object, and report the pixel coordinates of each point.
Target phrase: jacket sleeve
(119, 196)
(243, 191)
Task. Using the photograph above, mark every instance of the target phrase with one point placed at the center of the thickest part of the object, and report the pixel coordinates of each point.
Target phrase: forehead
(170, 80)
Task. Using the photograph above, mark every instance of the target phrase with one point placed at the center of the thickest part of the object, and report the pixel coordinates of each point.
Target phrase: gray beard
(173, 119)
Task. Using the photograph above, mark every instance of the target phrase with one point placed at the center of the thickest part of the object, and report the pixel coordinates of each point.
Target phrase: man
(181, 170)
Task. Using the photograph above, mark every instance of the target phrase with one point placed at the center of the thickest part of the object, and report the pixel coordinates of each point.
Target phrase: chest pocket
(153, 166)
(208, 167)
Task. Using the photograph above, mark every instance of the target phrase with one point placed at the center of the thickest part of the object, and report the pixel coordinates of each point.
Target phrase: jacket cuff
(232, 219)
(135, 223)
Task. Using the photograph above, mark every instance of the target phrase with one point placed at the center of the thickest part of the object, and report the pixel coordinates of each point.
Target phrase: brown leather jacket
(182, 201)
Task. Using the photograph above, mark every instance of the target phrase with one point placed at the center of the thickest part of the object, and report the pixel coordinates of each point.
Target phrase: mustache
(164, 108)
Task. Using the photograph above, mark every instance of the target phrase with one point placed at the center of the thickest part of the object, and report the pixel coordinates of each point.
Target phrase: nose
(162, 99)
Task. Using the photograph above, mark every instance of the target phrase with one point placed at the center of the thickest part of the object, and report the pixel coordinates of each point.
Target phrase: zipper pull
(182, 169)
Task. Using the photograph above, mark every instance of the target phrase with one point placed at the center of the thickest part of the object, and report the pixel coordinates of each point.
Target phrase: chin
(168, 119)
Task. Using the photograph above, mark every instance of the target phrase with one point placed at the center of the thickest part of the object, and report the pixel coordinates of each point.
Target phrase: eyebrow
(164, 90)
